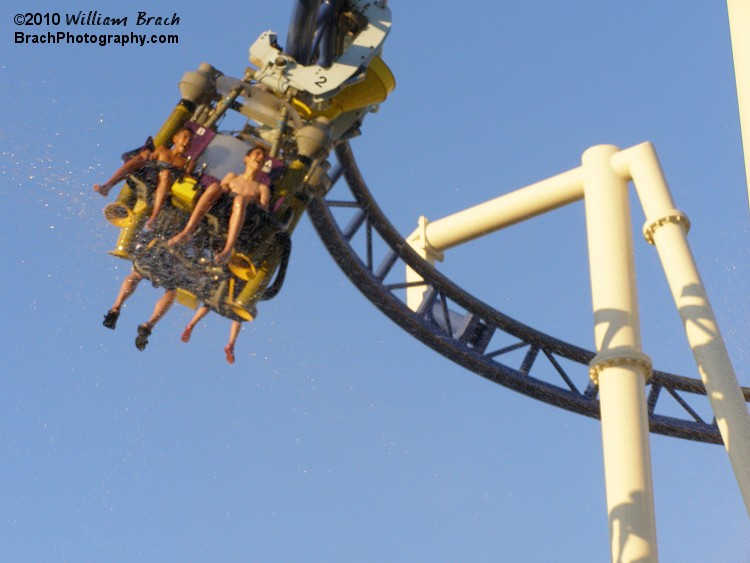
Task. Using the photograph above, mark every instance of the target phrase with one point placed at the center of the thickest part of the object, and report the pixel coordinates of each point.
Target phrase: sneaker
(142, 339)
(110, 319)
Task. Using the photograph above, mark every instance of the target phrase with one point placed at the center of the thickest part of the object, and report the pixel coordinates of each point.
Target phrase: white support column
(505, 210)
(620, 367)
(739, 27)
(430, 239)
(666, 228)
(418, 241)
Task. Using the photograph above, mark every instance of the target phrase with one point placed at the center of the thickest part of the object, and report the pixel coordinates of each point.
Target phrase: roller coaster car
(262, 249)
(263, 246)
(285, 107)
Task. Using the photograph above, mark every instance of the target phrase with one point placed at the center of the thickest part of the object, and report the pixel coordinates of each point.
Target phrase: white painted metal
(666, 228)
(620, 366)
(317, 80)
(430, 239)
(505, 210)
(418, 241)
(739, 27)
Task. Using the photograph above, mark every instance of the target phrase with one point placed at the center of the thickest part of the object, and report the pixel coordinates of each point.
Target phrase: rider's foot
(185, 337)
(103, 189)
(110, 319)
(229, 351)
(175, 240)
(142, 339)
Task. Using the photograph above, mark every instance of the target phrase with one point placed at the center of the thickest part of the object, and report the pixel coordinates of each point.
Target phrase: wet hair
(180, 130)
(257, 148)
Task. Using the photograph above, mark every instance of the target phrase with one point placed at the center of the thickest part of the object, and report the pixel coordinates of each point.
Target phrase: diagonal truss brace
(666, 228)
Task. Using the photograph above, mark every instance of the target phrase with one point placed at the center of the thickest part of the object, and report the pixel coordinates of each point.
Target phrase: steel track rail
(472, 344)
(484, 340)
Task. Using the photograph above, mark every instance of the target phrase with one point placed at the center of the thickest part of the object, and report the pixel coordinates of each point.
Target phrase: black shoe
(110, 319)
(142, 339)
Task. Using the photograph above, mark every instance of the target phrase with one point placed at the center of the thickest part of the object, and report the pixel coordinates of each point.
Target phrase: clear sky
(336, 436)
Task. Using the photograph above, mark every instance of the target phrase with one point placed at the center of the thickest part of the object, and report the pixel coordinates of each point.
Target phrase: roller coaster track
(468, 331)
(479, 337)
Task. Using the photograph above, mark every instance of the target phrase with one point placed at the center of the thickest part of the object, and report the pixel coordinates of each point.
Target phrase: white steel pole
(620, 367)
(666, 228)
(739, 27)
(418, 241)
(505, 210)
(431, 238)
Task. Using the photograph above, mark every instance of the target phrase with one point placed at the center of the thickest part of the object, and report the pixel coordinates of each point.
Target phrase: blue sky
(336, 436)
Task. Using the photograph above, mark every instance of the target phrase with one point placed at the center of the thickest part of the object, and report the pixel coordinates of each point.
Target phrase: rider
(248, 187)
(169, 159)
(172, 161)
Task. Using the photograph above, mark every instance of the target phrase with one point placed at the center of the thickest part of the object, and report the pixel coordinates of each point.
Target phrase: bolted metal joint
(619, 358)
(418, 241)
(673, 216)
